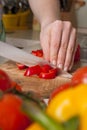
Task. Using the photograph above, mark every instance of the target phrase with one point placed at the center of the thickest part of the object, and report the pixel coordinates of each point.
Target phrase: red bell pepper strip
(38, 53)
(55, 70)
(50, 75)
(45, 68)
(34, 53)
(21, 66)
(33, 70)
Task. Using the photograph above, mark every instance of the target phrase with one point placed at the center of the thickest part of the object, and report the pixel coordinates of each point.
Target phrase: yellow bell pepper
(70, 103)
(35, 126)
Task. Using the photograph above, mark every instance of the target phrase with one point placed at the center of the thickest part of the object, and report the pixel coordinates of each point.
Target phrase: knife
(13, 53)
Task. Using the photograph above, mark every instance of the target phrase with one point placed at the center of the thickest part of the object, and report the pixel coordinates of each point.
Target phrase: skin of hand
(57, 37)
(58, 40)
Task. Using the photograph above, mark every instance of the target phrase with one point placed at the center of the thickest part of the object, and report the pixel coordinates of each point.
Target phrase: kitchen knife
(13, 53)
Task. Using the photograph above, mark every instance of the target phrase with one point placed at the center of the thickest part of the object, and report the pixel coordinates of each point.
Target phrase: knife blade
(13, 53)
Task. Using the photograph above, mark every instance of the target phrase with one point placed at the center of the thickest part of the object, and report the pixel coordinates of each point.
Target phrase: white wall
(81, 15)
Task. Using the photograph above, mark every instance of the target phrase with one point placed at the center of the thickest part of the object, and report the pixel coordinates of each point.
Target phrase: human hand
(58, 41)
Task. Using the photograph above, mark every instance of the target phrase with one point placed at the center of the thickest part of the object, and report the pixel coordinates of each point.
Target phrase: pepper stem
(33, 111)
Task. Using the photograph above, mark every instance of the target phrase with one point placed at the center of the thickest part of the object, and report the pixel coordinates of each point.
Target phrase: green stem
(33, 111)
(2, 32)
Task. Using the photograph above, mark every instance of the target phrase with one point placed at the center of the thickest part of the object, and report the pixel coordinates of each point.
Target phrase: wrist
(48, 21)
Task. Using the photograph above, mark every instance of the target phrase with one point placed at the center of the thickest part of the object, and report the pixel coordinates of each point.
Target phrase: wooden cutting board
(41, 86)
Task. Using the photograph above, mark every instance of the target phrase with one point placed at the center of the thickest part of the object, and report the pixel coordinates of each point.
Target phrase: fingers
(70, 50)
(64, 44)
(55, 41)
(45, 44)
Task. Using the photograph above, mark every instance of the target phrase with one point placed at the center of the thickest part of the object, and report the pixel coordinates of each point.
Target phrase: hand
(58, 41)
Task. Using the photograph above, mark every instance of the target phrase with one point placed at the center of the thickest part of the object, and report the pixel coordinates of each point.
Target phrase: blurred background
(18, 15)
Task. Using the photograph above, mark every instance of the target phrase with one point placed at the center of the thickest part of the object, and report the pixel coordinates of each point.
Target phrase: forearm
(46, 11)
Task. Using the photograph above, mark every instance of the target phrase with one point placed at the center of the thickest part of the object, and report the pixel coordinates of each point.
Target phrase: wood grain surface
(41, 86)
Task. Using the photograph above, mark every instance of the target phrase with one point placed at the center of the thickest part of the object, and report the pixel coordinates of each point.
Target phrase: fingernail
(60, 66)
(54, 62)
(65, 68)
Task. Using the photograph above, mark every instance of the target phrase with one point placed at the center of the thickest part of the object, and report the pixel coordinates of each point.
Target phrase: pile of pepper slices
(45, 71)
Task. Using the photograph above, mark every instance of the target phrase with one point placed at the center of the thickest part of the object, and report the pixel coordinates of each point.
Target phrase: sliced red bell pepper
(34, 53)
(33, 70)
(49, 75)
(38, 53)
(55, 70)
(45, 68)
(21, 66)
(45, 71)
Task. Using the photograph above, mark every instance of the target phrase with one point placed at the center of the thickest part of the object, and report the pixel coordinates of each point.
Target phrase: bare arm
(46, 11)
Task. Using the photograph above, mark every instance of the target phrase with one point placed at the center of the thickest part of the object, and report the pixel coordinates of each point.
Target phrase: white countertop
(24, 34)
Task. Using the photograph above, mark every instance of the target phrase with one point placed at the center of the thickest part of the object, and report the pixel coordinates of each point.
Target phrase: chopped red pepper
(34, 53)
(55, 70)
(59, 89)
(49, 75)
(38, 53)
(45, 68)
(45, 71)
(33, 70)
(21, 66)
